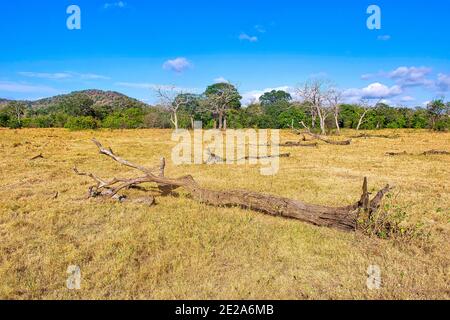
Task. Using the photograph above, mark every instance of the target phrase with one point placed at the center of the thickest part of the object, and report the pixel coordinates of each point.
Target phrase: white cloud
(26, 88)
(385, 37)
(367, 76)
(92, 76)
(221, 80)
(411, 76)
(253, 96)
(44, 75)
(373, 91)
(177, 65)
(443, 83)
(119, 4)
(404, 76)
(63, 75)
(319, 75)
(260, 28)
(246, 37)
(407, 99)
(153, 86)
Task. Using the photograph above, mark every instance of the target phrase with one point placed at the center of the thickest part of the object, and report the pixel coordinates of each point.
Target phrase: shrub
(443, 124)
(14, 123)
(4, 119)
(129, 119)
(38, 122)
(391, 222)
(81, 123)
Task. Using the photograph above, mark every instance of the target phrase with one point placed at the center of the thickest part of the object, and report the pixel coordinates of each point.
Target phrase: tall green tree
(275, 96)
(220, 98)
(436, 109)
(190, 106)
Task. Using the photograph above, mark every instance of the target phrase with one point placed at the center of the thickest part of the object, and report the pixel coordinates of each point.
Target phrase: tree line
(320, 109)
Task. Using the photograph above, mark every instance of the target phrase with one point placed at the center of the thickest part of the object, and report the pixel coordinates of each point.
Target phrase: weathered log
(299, 144)
(326, 140)
(382, 136)
(215, 159)
(436, 152)
(394, 154)
(334, 142)
(342, 218)
(426, 153)
(39, 156)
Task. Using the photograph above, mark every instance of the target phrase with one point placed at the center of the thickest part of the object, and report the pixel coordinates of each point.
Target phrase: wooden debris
(342, 218)
(39, 156)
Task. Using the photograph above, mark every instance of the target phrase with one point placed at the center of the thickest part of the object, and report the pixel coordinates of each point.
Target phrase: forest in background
(319, 108)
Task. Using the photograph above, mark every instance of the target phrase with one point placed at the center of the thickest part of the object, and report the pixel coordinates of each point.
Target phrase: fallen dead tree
(299, 144)
(326, 140)
(426, 153)
(343, 218)
(382, 136)
(216, 159)
(436, 152)
(395, 154)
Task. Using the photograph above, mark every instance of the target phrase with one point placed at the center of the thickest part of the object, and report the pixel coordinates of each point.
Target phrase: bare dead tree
(365, 108)
(172, 99)
(343, 218)
(314, 93)
(334, 98)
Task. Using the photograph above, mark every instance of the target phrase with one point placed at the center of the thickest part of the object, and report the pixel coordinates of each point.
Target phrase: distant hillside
(113, 99)
(3, 102)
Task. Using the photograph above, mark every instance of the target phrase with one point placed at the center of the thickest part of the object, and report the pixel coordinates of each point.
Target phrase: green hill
(100, 98)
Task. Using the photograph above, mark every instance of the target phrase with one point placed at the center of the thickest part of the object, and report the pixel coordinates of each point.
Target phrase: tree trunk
(359, 123)
(361, 119)
(322, 118)
(322, 127)
(338, 128)
(174, 120)
(343, 218)
(220, 121)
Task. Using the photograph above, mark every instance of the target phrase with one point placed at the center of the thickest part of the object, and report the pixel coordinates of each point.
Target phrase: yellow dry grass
(180, 249)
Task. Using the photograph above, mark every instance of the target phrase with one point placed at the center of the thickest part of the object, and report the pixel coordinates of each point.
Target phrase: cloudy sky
(134, 46)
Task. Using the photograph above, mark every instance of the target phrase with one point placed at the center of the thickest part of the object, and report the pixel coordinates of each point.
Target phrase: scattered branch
(39, 156)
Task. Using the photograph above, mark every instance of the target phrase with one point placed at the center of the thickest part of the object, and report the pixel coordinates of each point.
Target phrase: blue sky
(133, 46)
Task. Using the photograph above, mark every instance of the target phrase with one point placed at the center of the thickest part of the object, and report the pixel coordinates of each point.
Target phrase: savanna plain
(182, 249)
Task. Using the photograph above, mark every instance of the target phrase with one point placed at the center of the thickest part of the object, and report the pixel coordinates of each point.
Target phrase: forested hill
(4, 101)
(113, 99)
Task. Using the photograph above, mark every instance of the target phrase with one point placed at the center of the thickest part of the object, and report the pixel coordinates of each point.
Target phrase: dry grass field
(180, 249)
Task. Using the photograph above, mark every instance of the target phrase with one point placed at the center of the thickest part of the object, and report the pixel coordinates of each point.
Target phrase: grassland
(180, 249)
